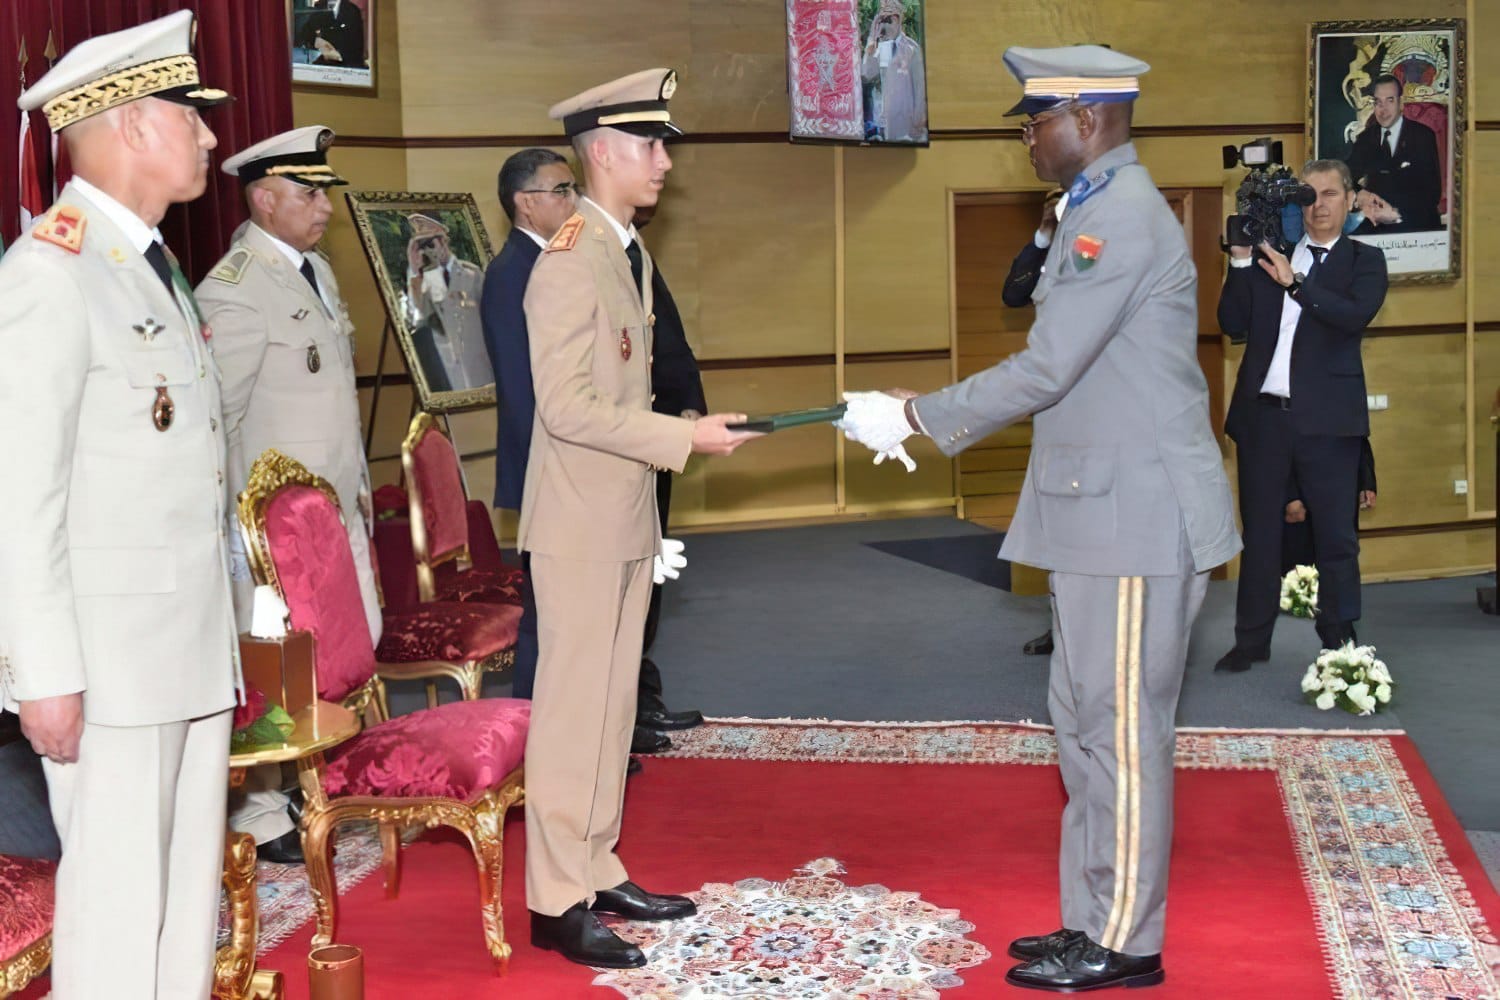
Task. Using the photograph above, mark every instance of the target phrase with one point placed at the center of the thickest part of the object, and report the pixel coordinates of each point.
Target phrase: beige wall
(751, 232)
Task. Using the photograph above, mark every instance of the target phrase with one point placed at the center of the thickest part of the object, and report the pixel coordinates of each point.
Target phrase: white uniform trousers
(141, 819)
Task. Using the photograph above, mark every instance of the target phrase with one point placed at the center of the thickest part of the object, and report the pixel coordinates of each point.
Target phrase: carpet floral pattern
(810, 937)
(1395, 915)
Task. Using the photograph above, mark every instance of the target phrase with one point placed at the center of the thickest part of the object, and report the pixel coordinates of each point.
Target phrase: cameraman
(1299, 407)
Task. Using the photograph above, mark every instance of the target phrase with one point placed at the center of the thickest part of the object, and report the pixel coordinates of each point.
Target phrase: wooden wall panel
(1486, 408)
(872, 487)
(1483, 236)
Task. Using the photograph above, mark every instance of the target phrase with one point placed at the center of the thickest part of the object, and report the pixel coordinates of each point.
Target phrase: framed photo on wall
(428, 253)
(1387, 98)
(857, 71)
(333, 42)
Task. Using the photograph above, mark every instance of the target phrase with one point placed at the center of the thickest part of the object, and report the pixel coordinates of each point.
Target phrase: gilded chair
(25, 920)
(456, 765)
(440, 523)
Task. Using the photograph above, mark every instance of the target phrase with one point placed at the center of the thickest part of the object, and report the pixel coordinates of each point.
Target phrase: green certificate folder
(791, 418)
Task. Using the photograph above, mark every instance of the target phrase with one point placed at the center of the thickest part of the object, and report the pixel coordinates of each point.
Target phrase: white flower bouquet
(1299, 592)
(1349, 677)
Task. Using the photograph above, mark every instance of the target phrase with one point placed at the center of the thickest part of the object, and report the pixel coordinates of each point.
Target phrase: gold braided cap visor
(1073, 86)
(126, 85)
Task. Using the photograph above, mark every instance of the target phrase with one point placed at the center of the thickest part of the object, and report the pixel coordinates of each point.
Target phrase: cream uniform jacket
(289, 380)
(114, 564)
(596, 446)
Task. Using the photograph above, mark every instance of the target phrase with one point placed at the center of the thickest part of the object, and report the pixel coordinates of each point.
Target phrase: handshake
(878, 421)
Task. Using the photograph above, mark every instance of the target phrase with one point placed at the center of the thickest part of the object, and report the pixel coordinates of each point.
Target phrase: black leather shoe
(1029, 948)
(649, 741)
(660, 718)
(1040, 646)
(634, 767)
(1239, 659)
(634, 903)
(1083, 966)
(294, 805)
(579, 937)
(1335, 635)
(284, 850)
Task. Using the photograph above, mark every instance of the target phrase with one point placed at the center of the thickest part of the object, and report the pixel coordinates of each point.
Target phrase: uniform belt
(1271, 399)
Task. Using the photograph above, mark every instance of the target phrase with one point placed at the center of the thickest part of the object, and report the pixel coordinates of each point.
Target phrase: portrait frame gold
(308, 75)
(1430, 57)
(449, 367)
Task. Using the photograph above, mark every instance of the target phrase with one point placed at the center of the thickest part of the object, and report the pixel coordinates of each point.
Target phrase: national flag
(32, 202)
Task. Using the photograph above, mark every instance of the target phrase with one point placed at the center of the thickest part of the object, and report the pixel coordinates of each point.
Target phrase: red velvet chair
(440, 523)
(26, 899)
(457, 765)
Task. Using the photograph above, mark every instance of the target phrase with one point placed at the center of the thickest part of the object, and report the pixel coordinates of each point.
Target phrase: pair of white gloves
(669, 562)
(878, 421)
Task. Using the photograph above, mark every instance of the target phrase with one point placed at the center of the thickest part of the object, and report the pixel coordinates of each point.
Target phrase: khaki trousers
(140, 816)
(590, 617)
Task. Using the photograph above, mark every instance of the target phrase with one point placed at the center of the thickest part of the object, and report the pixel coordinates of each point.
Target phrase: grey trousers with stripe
(1116, 675)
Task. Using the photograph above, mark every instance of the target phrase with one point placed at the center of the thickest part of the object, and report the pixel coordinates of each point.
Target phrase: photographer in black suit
(1299, 407)
(1394, 162)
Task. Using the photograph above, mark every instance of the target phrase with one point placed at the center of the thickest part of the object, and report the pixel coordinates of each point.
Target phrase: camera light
(1255, 156)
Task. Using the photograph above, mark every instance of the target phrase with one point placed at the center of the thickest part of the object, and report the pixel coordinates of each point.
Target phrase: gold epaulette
(231, 269)
(567, 235)
(63, 227)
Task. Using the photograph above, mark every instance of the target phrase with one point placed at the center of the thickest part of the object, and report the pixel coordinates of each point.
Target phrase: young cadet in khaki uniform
(284, 342)
(588, 518)
(1125, 501)
(114, 583)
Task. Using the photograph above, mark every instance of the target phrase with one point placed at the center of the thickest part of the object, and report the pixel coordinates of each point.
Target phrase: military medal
(625, 344)
(314, 362)
(163, 410)
(148, 329)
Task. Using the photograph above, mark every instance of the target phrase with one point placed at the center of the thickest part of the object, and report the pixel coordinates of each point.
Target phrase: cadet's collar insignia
(231, 270)
(625, 350)
(148, 328)
(1086, 251)
(63, 227)
(567, 236)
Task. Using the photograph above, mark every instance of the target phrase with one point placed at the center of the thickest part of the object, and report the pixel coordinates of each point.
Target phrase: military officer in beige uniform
(114, 583)
(284, 342)
(588, 518)
(1125, 501)
(443, 293)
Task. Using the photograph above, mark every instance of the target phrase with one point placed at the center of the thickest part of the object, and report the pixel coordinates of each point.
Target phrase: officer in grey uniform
(1126, 502)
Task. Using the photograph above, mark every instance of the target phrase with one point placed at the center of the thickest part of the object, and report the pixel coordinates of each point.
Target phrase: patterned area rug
(286, 901)
(811, 937)
(1396, 917)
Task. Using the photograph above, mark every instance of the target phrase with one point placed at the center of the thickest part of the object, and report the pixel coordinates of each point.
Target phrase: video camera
(1270, 200)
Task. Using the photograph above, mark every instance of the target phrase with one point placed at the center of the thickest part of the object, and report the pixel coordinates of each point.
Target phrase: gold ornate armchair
(457, 765)
(26, 897)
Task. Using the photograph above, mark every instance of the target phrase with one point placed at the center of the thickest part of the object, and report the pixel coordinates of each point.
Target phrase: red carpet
(978, 838)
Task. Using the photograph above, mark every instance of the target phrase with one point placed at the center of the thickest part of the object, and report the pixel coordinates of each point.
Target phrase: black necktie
(156, 256)
(312, 279)
(637, 266)
(1385, 142)
(1317, 253)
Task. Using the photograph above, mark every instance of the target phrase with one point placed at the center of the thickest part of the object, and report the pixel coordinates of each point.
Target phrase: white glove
(899, 454)
(878, 421)
(669, 561)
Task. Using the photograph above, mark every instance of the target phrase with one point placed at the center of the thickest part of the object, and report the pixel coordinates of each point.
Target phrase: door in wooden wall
(989, 228)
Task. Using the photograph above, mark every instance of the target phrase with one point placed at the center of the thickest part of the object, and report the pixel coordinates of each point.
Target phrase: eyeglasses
(1028, 128)
(568, 189)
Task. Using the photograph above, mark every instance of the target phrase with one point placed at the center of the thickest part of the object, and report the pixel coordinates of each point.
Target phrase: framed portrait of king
(428, 253)
(1387, 98)
(333, 42)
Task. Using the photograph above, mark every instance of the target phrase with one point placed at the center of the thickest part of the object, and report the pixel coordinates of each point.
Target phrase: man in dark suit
(337, 31)
(1394, 162)
(1299, 407)
(538, 194)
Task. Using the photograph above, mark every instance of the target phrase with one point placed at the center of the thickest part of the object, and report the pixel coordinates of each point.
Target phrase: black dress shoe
(634, 767)
(295, 805)
(1040, 646)
(660, 718)
(1239, 659)
(284, 850)
(1083, 966)
(579, 937)
(1028, 948)
(634, 903)
(649, 741)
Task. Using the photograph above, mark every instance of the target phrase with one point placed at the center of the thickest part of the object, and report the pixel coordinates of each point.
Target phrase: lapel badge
(314, 361)
(300, 315)
(163, 410)
(625, 344)
(148, 329)
(206, 332)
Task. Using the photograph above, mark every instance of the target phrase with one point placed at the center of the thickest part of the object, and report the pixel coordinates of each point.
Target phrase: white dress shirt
(1278, 380)
(627, 236)
(137, 232)
(535, 238)
(1395, 133)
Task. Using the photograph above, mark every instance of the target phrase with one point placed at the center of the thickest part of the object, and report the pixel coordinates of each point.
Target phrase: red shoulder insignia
(567, 235)
(63, 226)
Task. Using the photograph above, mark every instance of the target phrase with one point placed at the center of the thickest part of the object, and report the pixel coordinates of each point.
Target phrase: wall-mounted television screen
(856, 71)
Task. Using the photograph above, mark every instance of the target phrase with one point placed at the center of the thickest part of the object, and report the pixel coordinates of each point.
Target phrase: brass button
(221, 479)
(651, 319)
(213, 423)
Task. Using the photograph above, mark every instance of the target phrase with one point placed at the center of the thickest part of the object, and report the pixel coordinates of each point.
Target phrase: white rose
(1383, 694)
(1325, 700)
(1335, 683)
(1378, 673)
(1286, 603)
(1360, 695)
(1310, 680)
